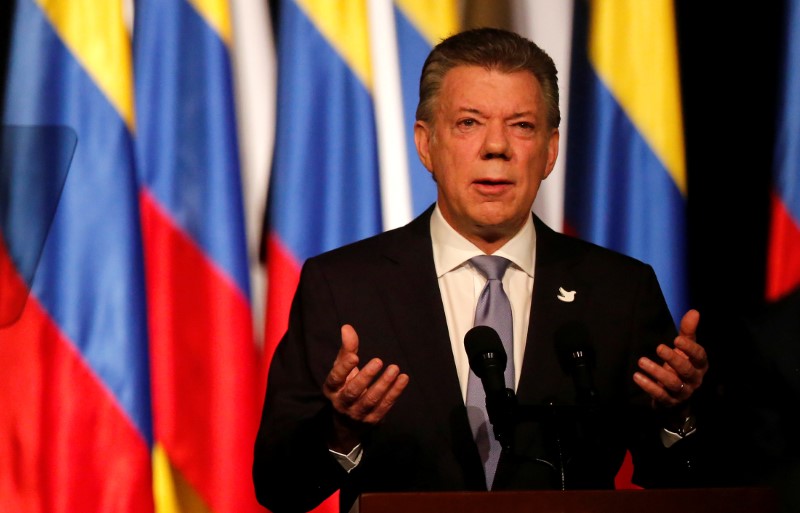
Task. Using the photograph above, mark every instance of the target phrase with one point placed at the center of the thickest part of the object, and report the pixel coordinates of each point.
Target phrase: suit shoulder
(570, 247)
(407, 243)
(413, 236)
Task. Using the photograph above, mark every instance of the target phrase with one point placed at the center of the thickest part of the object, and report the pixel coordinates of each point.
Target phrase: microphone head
(577, 358)
(573, 346)
(484, 349)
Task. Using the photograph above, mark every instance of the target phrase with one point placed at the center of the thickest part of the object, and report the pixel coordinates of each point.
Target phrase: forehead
(475, 87)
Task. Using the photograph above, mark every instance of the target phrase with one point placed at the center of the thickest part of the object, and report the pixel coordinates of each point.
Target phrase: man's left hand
(673, 382)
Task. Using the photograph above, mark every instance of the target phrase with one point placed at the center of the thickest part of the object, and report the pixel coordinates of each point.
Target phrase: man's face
(488, 148)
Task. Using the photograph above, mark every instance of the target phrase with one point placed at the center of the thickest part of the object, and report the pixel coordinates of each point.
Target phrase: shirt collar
(451, 249)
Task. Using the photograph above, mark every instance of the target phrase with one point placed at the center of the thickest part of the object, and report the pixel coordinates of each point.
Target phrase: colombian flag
(345, 166)
(129, 377)
(203, 355)
(626, 175)
(75, 422)
(783, 259)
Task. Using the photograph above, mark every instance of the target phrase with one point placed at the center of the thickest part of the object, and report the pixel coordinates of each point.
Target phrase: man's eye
(467, 123)
(525, 125)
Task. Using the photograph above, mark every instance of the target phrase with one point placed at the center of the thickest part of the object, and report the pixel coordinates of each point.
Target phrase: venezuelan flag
(626, 175)
(203, 357)
(783, 260)
(75, 425)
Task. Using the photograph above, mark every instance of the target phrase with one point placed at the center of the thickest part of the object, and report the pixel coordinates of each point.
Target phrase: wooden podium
(700, 500)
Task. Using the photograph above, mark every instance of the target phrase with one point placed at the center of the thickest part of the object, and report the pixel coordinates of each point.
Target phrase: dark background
(730, 62)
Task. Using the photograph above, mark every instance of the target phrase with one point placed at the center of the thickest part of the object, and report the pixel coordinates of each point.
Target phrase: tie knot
(491, 266)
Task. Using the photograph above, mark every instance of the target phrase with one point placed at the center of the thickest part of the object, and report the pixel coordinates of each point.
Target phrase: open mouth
(492, 182)
(492, 186)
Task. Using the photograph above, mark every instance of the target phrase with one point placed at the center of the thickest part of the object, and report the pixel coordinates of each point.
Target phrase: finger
(357, 385)
(346, 360)
(693, 351)
(665, 375)
(349, 339)
(654, 390)
(373, 395)
(689, 371)
(689, 322)
(388, 400)
(676, 361)
(341, 371)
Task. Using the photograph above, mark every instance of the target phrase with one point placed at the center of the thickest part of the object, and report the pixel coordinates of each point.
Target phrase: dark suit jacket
(386, 288)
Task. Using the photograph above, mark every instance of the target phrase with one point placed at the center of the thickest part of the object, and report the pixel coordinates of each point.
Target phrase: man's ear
(422, 138)
(552, 152)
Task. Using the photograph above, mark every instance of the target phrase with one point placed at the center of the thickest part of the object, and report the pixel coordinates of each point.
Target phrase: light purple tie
(493, 310)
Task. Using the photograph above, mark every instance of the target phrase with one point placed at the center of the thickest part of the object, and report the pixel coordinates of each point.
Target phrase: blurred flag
(324, 186)
(75, 421)
(548, 23)
(255, 79)
(626, 176)
(203, 356)
(421, 24)
(783, 259)
(347, 92)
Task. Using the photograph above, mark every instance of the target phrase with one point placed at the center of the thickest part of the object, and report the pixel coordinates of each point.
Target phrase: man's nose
(496, 143)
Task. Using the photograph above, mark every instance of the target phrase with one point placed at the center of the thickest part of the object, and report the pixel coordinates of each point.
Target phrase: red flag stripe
(203, 365)
(783, 267)
(57, 417)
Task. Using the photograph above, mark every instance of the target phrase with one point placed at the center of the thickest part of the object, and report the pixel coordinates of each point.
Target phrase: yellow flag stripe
(632, 44)
(434, 20)
(217, 15)
(171, 492)
(94, 31)
(344, 25)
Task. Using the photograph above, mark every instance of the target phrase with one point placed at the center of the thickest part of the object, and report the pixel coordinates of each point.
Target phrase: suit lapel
(416, 312)
(556, 257)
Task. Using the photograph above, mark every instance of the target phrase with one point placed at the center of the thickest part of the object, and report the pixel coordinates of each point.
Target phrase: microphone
(487, 359)
(577, 357)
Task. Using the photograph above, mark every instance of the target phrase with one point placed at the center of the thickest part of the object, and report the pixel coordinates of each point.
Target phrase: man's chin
(491, 229)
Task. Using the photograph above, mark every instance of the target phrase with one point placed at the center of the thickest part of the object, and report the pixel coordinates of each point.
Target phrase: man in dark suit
(487, 130)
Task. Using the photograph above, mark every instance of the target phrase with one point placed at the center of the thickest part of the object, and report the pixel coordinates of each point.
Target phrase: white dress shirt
(461, 284)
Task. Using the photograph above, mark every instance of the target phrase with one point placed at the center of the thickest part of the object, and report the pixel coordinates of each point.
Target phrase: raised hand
(674, 381)
(360, 397)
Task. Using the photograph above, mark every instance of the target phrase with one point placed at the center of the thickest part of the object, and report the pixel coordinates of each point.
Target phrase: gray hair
(493, 49)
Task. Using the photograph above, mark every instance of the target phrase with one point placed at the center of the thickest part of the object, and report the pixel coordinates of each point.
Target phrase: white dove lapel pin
(567, 296)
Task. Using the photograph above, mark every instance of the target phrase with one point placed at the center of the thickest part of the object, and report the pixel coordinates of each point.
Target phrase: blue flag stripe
(620, 195)
(186, 141)
(787, 148)
(90, 277)
(413, 48)
(324, 183)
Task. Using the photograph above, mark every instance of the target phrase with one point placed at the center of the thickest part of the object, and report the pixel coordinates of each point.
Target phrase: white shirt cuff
(668, 438)
(350, 460)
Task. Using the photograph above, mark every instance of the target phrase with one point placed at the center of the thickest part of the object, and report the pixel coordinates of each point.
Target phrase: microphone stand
(505, 414)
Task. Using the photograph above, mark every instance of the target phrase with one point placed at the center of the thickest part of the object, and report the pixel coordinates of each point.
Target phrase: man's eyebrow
(516, 115)
(523, 114)
(470, 110)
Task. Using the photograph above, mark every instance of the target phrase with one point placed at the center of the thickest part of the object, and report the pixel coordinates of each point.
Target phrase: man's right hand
(360, 397)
